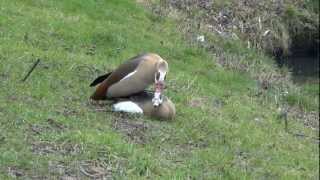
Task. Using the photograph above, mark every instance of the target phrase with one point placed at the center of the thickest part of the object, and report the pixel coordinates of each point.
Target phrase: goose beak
(159, 86)
(157, 98)
(159, 79)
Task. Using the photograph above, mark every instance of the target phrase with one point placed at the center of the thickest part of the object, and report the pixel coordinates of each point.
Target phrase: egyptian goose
(132, 77)
(141, 103)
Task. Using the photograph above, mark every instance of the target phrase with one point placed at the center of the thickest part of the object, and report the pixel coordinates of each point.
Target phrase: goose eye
(157, 76)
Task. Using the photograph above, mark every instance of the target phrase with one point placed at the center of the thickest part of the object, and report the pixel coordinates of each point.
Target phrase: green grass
(307, 97)
(47, 122)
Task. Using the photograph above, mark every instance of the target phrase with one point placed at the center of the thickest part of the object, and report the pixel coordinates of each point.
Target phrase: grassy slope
(222, 129)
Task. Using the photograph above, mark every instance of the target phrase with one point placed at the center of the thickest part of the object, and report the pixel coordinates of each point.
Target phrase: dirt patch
(200, 144)
(64, 171)
(89, 169)
(66, 177)
(51, 125)
(100, 106)
(67, 111)
(95, 169)
(15, 172)
(133, 128)
(55, 124)
(309, 119)
(37, 129)
(45, 148)
(23, 173)
(58, 168)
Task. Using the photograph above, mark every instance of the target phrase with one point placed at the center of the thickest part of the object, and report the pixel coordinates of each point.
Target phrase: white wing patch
(127, 106)
(128, 75)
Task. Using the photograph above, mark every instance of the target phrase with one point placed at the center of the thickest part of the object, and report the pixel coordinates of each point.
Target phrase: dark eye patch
(157, 75)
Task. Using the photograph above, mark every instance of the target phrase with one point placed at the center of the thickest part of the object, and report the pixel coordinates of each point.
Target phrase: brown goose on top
(132, 77)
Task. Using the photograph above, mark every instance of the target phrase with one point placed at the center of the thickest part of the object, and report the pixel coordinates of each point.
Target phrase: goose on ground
(142, 103)
(133, 76)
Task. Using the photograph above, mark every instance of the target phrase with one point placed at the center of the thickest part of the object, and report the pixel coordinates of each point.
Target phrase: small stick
(30, 71)
(286, 123)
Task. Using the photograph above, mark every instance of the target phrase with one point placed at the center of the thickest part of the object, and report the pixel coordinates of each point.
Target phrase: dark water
(305, 69)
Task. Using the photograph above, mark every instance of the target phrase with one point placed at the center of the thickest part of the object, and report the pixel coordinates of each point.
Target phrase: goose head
(159, 82)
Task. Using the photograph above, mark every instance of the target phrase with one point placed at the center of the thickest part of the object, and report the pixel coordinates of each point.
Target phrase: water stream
(305, 69)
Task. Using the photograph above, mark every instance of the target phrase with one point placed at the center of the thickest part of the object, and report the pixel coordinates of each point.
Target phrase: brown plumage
(127, 85)
(129, 78)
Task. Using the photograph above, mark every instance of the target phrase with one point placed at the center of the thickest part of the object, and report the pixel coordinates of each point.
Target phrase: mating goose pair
(127, 85)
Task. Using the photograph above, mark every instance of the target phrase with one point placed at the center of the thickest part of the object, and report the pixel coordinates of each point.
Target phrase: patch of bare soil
(15, 172)
(67, 111)
(95, 169)
(100, 106)
(45, 148)
(60, 169)
(132, 128)
(91, 169)
(192, 145)
(309, 119)
(55, 124)
(51, 125)
(66, 177)
(201, 143)
(23, 173)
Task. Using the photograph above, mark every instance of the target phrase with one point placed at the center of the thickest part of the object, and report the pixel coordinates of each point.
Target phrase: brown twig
(30, 71)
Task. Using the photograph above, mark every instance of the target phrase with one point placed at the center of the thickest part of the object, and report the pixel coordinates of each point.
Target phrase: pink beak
(157, 99)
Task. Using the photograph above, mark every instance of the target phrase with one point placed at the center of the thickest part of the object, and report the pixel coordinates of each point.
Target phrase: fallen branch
(30, 71)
